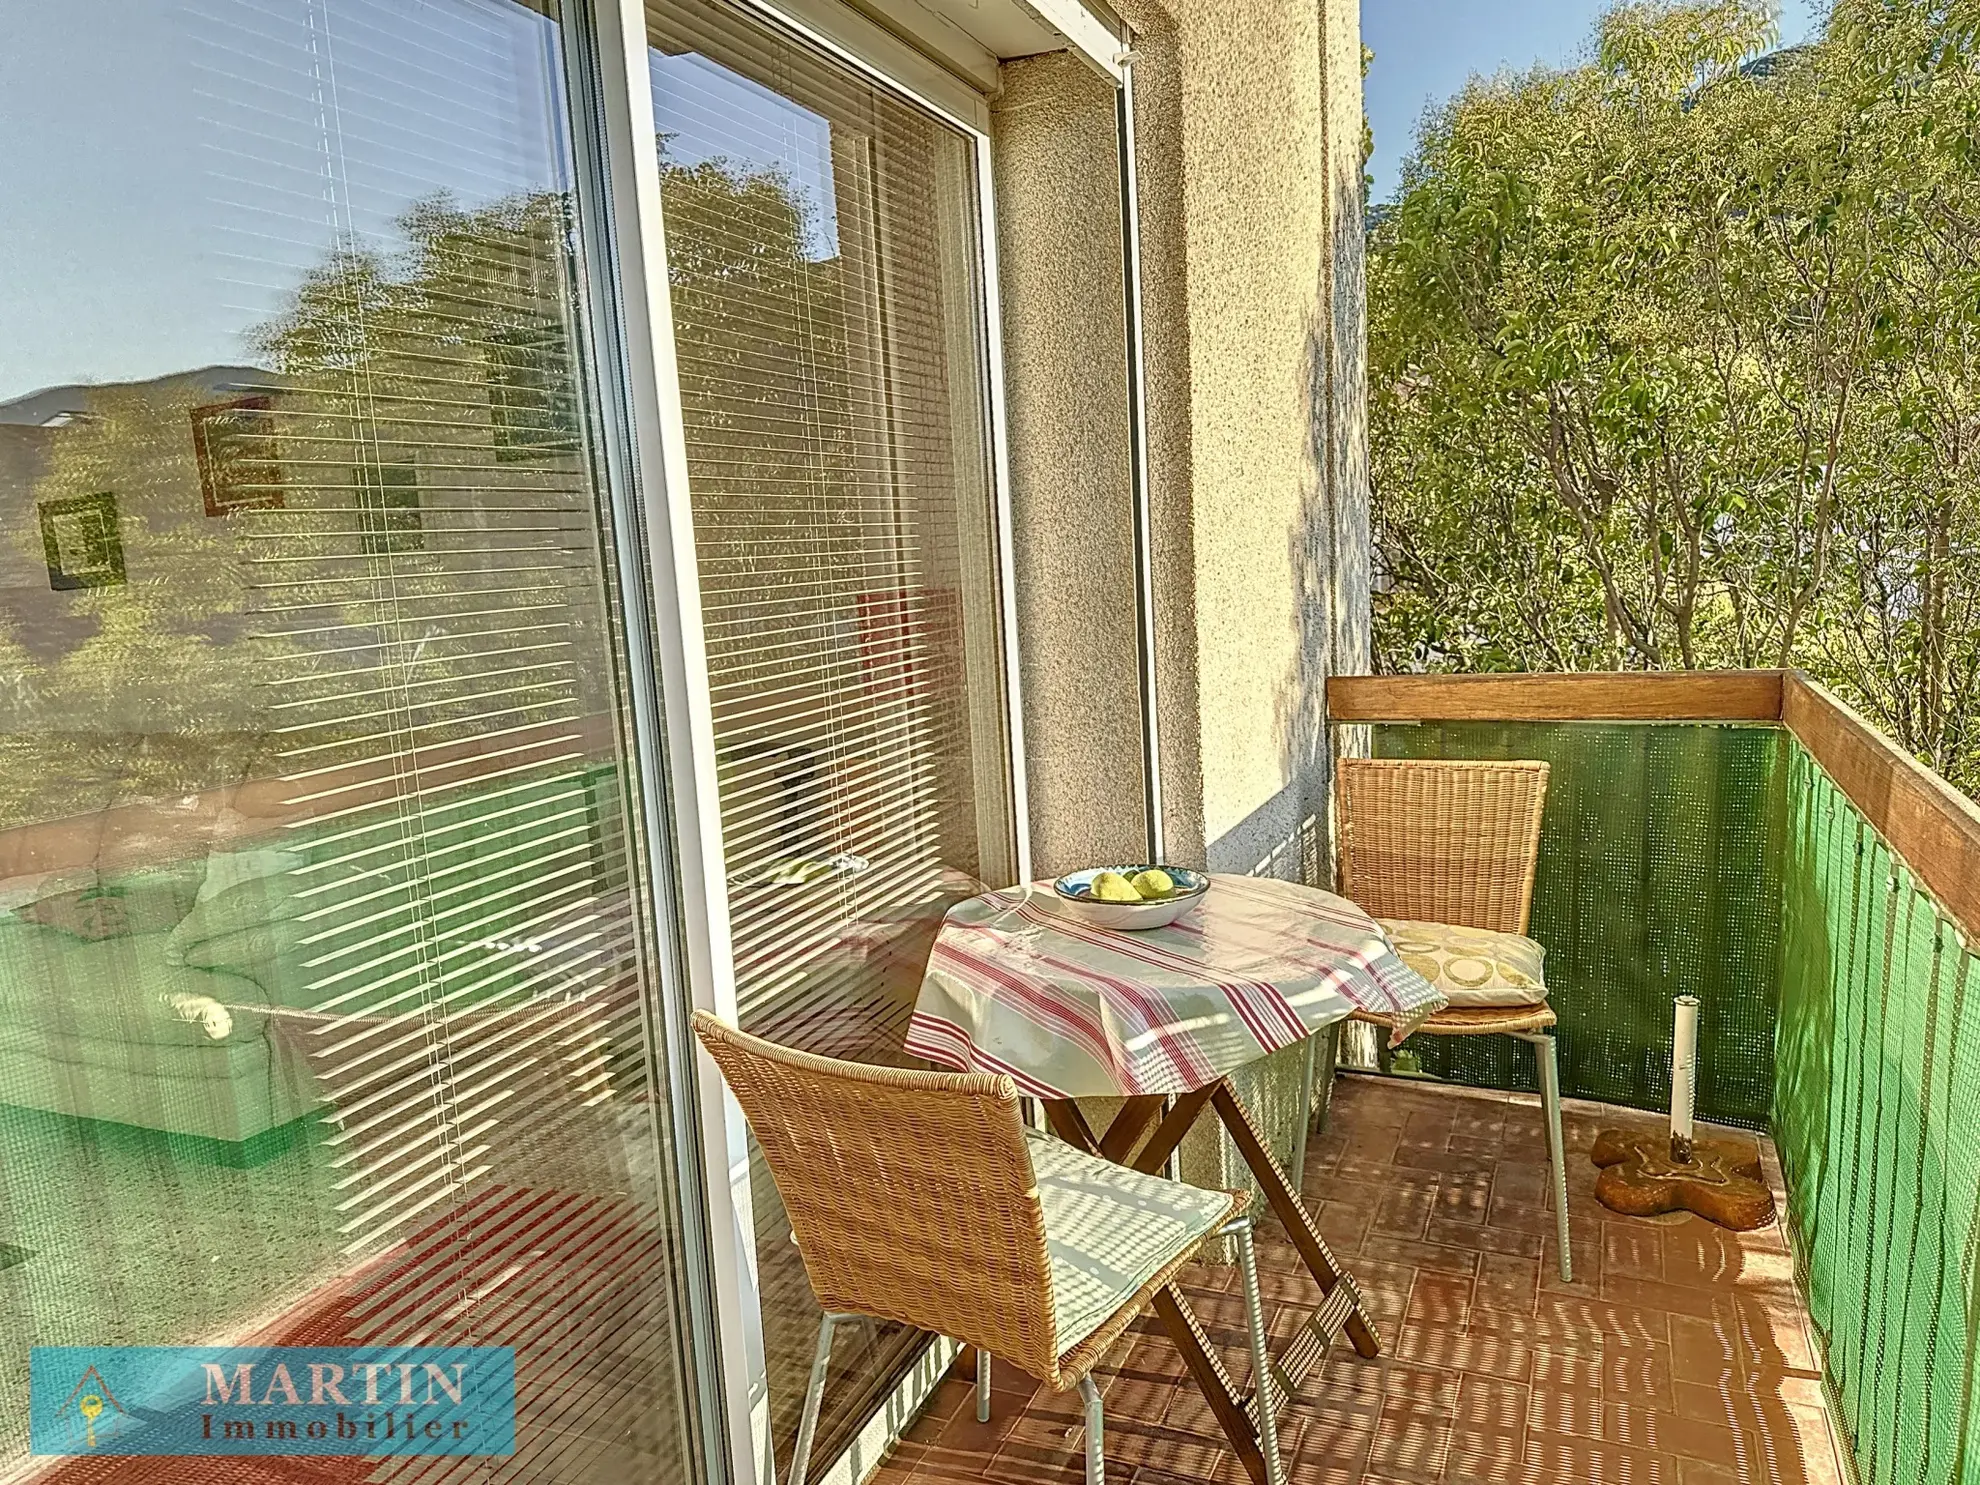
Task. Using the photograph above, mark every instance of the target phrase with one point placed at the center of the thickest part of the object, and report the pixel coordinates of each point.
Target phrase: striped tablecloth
(1013, 986)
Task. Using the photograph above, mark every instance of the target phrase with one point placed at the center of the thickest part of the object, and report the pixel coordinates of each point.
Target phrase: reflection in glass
(320, 985)
(821, 241)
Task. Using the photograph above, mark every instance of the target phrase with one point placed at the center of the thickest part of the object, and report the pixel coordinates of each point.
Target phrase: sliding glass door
(825, 270)
(325, 995)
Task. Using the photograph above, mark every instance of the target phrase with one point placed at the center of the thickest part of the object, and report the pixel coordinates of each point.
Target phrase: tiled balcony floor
(1680, 1355)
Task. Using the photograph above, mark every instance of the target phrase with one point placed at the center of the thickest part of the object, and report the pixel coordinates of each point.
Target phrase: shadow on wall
(1331, 550)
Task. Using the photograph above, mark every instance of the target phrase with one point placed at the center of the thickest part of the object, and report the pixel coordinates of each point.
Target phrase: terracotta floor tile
(1411, 1444)
(1584, 1461)
(1750, 1339)
(1484, 1239)
(1507, 1283)
(1487, 1456)
(1440, 1300)
(1489, 1355)
(1668, 1433)
(1680, 1355)
(1633, 1250)
(1483, 1148)
(1403, 1212)
(1585, 1249)
(1342, 1224)
(1427, 1126)
(1388, 1379)
(1567, 1410)
(1704, 1302)
(1638, 1374)
(1544, 1330)
(1443, 1258)
(1463, 1196)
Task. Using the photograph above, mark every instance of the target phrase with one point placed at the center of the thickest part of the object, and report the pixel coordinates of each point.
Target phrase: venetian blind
(827, 297)
(417, 531)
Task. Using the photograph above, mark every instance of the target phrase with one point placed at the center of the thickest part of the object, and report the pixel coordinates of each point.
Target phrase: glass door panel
(322, 991)
(823, 251)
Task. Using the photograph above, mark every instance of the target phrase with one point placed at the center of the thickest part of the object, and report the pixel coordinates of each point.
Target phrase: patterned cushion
(1472, 966)
(1109, 1230)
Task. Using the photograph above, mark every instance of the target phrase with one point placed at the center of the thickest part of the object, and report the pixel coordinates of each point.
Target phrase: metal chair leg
(814, 1397)
(1550, 1099)
(1096, 1464)
(982, 1385)
(1261, 1357)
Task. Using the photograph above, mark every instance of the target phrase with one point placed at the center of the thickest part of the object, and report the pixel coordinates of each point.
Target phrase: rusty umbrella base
(1721, 1182)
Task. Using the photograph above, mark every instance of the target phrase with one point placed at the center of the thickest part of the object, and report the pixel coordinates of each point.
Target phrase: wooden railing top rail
(1932, 826)
(1595, 696)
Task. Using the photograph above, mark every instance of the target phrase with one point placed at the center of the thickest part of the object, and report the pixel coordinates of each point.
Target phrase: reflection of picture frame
(388, 509)
(79, 538)
(532, 392)
(240, 467)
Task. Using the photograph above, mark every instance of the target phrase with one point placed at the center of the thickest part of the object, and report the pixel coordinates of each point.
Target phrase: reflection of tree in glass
(427, 578)
(438, 512)
(128, 691)
(765, 388)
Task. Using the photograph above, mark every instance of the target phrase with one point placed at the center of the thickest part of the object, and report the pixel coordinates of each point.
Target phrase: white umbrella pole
(1684, 1077)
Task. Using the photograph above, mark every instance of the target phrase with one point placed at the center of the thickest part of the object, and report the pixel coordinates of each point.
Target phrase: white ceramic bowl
(1076, 900)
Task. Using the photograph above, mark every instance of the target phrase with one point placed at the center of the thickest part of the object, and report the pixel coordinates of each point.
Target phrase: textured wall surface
(1065, 369)
(1248, 140)
(1248, 144)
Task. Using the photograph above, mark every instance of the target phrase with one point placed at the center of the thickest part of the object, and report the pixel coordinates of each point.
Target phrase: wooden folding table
(1162, 1018)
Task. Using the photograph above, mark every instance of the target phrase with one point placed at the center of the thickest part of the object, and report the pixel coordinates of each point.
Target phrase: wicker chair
(922, 1198)
(1456, 843)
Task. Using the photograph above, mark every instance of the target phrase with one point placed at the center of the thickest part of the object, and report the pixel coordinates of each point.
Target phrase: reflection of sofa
(101, 1017)
(179, 998)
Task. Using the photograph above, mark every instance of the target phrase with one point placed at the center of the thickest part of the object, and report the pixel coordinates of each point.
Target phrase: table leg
(1343, 1304)
(1229, 1406)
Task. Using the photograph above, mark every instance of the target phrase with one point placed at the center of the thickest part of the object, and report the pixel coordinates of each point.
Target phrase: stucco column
(1248, 138)
(1059, 249)
(1248, 142)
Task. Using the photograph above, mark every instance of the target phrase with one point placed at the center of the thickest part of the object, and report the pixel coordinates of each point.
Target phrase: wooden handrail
(1931, 826)
(1596, 696)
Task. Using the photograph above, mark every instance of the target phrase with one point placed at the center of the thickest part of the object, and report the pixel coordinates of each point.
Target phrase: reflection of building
(34, 431)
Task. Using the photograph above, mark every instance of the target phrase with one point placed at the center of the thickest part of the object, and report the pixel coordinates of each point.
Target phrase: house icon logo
(95, 1407)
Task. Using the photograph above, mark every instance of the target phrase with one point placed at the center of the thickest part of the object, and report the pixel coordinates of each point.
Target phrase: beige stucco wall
(1248, 145)
(1249, 195)
(1065, 371)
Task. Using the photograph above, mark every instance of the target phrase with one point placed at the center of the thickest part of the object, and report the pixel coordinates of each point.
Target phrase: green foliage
(1673, 363)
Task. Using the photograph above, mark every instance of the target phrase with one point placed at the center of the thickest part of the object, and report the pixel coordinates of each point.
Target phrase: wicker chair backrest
(910, 1194)
(1441, 842)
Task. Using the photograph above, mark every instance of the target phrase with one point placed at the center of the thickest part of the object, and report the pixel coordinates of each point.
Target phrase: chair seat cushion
(1472, 966)
(1110, 1230)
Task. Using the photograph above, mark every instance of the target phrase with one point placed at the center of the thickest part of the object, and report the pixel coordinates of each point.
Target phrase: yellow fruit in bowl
(1154, 883)
(1111, 886)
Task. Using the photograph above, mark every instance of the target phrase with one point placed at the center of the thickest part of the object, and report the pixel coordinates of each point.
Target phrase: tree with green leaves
(1672, 363)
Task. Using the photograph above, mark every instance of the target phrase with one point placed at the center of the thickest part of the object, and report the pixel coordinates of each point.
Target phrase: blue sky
(239, 141)
(1425, 49)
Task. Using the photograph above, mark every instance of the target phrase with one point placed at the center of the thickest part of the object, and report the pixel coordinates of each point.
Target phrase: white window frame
(680, 660)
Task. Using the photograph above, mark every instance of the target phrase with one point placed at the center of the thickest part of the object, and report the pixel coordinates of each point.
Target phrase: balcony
(1738, 836)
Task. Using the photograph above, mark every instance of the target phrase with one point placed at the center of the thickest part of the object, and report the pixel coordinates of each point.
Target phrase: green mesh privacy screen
(1725, 862)
(1659, 876)
(1877, 1117)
